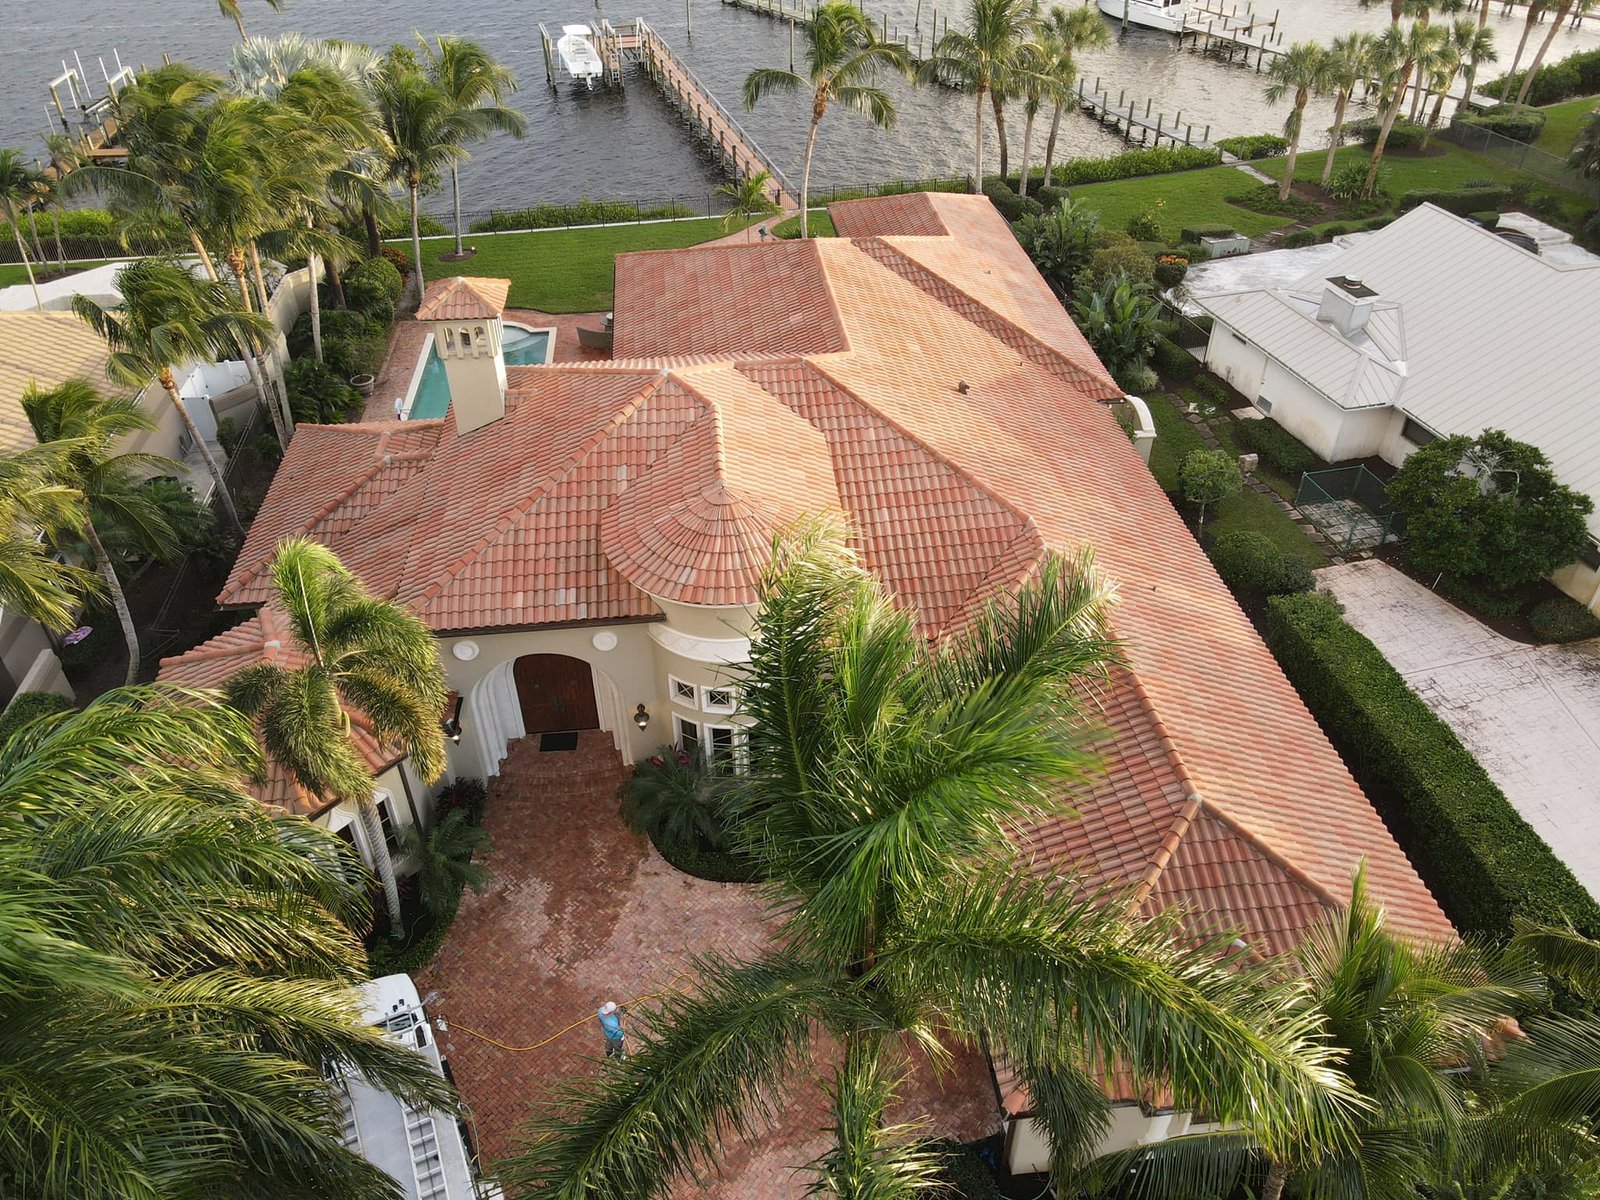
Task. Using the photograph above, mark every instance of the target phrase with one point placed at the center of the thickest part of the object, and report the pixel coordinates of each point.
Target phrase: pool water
(522, 348)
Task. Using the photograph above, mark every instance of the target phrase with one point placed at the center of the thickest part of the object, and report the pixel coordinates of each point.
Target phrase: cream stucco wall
(1242, 364)
(1028, 1148)
(1333, 433)
(28, 661)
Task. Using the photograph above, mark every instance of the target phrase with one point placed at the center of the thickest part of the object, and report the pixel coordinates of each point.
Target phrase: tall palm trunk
(251, 361)
(998, 103)
(1391, 111)
(314, 265)
(1027, 149)
(55, 221)
(416, 241)
(1434, 117)
(1472, 64)
(33, 227)
(1337, 139)
(977, 144)
(818, 107)
(238, 19)
(170, 385)
(1522, 44)
(1556, 19)
(22, 249)
(283, 419)
(1296, 123)
(370, 220)
(1050, 145)
(1277, 1176)
(119, 600)
(204, 255)
(455, 190)
(260, 277)
(336, 284)
(382, 863)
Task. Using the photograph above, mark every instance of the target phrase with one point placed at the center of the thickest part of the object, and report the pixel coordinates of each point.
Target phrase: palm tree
(167, 319)
(179, 988)
(1349, 63)
(1584, 158)
(1303, 70)
(231, 10)
(1064, 32)
(476, 85)
(884, 777)
(443, 857)
(19, 189)
(1472, 64)
(1564, 9)
(1466, 46)
(423, 130)
(981, 58)
(33, 580)
(1536, 11)
(843, 57)
(1403, 1021)
(363, 654)
(1397, 56)
(65, 156)
(107, 488)
(747, 197)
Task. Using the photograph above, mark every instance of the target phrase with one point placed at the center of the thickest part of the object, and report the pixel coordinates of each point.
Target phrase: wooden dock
(919, 40)
(1134, 122)
(635, 43)
(1230, 34)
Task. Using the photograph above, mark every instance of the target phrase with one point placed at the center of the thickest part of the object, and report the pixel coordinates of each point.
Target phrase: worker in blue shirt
(610, 1017)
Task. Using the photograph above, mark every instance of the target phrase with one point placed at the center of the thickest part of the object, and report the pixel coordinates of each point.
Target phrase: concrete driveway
(1531, 714)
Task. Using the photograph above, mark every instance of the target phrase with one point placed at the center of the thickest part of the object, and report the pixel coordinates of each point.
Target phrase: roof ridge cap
(521, 509)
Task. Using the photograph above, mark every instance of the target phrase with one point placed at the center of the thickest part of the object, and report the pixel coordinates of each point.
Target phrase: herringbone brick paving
(581, 910)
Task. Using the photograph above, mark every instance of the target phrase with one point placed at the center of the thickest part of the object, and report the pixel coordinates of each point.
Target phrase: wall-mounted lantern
(641, 717)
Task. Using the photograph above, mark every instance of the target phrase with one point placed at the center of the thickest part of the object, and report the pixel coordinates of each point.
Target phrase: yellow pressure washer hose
(449, 1026)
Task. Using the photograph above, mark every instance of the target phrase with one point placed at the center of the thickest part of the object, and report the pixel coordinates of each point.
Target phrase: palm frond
(872, 1159)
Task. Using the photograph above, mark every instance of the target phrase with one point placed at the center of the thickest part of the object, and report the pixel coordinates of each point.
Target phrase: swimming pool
(430, 393)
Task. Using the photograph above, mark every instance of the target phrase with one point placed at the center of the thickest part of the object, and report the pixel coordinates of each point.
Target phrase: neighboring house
(587, 540)
(1431, 327)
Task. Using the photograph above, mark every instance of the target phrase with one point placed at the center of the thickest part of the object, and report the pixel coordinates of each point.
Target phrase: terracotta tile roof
(834, 382)
(266, 637)
(463, 298)
(771, 298)
(911, 215)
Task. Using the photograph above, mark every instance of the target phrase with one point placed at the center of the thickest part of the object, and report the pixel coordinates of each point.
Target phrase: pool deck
(407, 337)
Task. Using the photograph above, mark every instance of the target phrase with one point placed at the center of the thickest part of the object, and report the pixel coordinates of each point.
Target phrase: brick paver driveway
(581, 910)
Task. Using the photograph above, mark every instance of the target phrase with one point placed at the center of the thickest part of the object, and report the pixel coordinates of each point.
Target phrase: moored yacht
(1151, 14)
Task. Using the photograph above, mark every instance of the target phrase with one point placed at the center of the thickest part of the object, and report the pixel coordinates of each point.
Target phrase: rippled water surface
(627, 143)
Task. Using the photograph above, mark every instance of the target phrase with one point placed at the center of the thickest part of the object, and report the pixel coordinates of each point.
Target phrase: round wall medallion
(604, 640)
(465, 651)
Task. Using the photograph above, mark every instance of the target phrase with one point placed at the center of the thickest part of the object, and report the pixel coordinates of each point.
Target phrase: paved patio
(580, 910)
(1531, 714)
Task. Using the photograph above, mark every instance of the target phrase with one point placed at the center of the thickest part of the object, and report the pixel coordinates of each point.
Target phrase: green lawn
(12, 273)
(563, 270)
(821, 226)
(1562, 122)
(1175, 439)
(1191, 198)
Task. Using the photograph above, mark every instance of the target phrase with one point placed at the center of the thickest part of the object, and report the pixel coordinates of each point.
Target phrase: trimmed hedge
(1297, 238)
(1173, 361)
(28, 706)
(1252, 564)
(1205, 231)
(1575, 75)
(1213, 391)
(1558, 619)
(719, 866)
(1460, 201)
(1279, 448)
(584, 212)
(1012, 206)
(1402, 136)
(1482, 861)
(1256, 145)
(1518, 124)
(1134, 163)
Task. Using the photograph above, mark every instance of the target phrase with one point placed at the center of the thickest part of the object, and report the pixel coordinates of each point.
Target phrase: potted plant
(363, 383)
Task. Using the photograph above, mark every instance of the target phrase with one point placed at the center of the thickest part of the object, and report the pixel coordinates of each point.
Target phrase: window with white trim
(718, 699)
(391, 833)
(725, 747)
(682, 692)
(689, 737)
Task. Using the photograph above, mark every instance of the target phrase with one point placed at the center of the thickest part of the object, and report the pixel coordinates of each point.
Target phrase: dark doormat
(558, 741)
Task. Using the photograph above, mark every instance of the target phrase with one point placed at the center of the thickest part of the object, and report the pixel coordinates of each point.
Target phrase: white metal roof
(1364, 371)
(1496, 337)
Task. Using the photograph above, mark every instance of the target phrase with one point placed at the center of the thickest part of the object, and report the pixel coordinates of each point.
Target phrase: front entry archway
(555, 692)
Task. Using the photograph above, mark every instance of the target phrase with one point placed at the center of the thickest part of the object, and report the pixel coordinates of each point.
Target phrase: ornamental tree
(1488, 508)
(1208, 477)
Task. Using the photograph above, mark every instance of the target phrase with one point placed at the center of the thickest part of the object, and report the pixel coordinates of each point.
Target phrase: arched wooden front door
(556, 693)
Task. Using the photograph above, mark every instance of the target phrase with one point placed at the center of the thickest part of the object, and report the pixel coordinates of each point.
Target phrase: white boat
(578, 54)
(1151, 14)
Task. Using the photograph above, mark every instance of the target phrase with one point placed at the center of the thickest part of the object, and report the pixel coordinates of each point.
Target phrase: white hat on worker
(607, 1008)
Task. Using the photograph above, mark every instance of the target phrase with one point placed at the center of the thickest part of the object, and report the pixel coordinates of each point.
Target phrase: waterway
(627, 143)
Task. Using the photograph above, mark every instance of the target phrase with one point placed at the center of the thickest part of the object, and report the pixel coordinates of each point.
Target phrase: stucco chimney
(1347, 304)
(465, 316)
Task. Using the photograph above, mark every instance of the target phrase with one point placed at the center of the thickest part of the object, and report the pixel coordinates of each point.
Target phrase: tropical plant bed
(1505, 613)
(704, 862)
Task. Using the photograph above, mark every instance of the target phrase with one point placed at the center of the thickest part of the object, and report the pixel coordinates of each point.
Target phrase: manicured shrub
(1576, 75)
(1133, 163)
(398, 259)
(1378, 223)
(318, 393)
(1562, 619)
(338, 324)
(1296, 238)
(1207, 478)
(1473, 596)
(373, 287)
(1205, 231)
(1518, 124)
(1337, 229)
(1174, 362)
(1213, 390)
(1349, 181)
(584, 212)
(1254, 146)
(1278, 448)
(29, 706)
(1128, 257)
(1049, 197)
(400, 227)
(1194, 252)
(1403, 136)
(1476, 853)
(1252, 564)
(1264, 199)
(1012, 206)
(1460, 201)
(1489, 220)
(1146, 226)
(1171, 269)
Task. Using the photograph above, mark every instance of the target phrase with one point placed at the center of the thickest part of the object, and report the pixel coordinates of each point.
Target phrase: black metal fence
(1524, 156)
